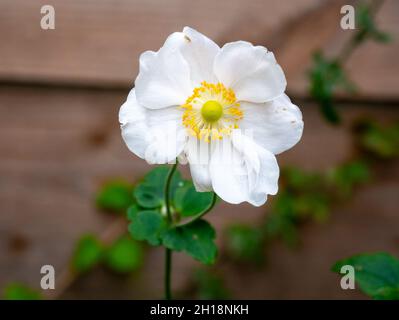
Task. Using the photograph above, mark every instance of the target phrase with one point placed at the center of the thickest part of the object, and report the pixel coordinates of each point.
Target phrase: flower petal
(264, 173)
(198, 155)
(243, 171)
(164, 76)
(276, 126)
(228, 173)
(199, 52)
(251, 71)
(167, 77)
(154, 135)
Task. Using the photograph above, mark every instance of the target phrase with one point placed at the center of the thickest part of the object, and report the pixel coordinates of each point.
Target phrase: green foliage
(312, 205)
(245, 243)
(189, 202)
(149, 193)
(148, 217)
(149, 221)
(88, 253)
(376, 274)
(124, 256)
(377, 140)
(282, 221)
(303, 196)
(18, 291)
(326, 76)
(115, 196)
(210, 286)
(344, 178)
(366, 27)
(196, 239)
(296, 179)
(147, 225)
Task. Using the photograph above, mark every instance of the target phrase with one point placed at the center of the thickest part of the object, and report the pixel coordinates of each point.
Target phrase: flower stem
(167, 191)
(168, 252)
(201, 214)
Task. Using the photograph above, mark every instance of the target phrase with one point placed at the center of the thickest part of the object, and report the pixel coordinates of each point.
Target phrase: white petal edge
(199, 51)
(167, 77)
(251, 71)
(164, 76)
(154, 135)
(243, 171)
(276, 126)
(263, 179)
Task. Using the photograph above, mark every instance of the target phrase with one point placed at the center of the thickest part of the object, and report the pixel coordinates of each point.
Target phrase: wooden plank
(99, 41)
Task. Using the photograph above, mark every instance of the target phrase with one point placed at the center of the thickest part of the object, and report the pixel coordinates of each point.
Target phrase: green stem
(201, 214)
(168, 252)
(167, 191)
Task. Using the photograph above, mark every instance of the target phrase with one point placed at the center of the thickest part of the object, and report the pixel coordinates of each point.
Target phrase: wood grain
(99, 41)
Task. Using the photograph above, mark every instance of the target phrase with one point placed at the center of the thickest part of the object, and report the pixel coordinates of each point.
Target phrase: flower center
(211, 111)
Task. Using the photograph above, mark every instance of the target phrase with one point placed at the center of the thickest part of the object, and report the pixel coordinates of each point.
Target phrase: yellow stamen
(211, 112)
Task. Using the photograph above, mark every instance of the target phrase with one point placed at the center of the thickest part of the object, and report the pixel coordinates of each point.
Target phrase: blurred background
(66, 175)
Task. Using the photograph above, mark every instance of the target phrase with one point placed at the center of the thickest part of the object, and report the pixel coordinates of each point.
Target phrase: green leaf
(124, 255)
(283, 219)
(388, 293)
(278, 226)
(381, 36)
(377, 274)
(366, 26)
(299, 180)
(364, 22)
(196, 239)
(18, 291)
(329, 111)
(189, 202)
(115, 196)
(88, 253)
(132, 212)
(147, 225)
(356, 172)
(312, 205)
(149, 193)
(245, 243)
(210, 286)
(325, 77)
(347, 176)
(378, 140)
(149, 197)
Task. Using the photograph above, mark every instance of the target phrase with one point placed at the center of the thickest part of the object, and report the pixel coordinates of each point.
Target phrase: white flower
(222, 109)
